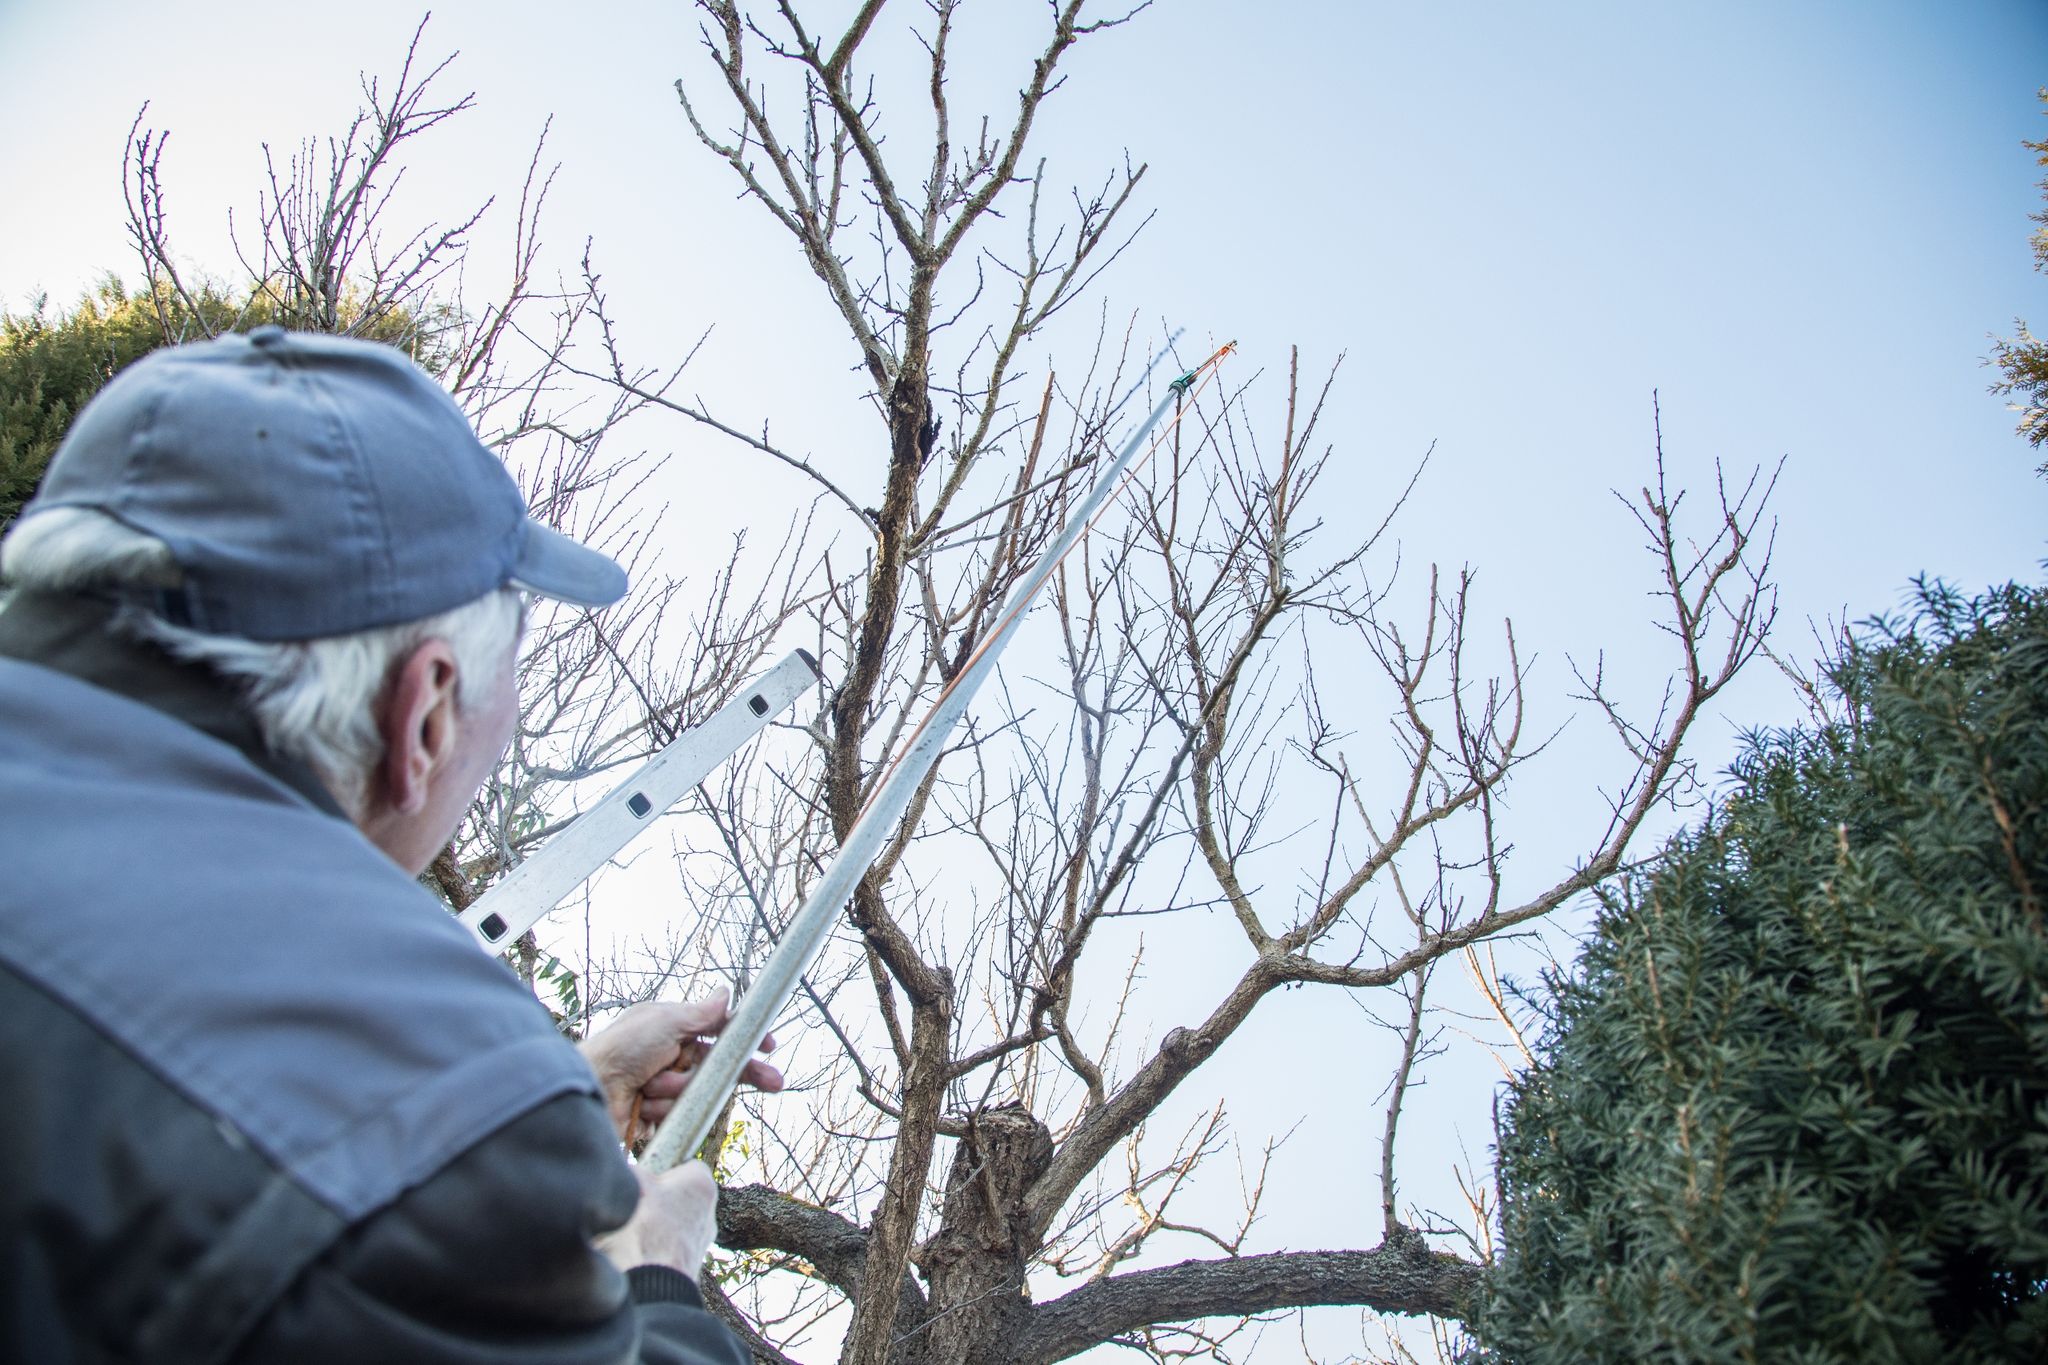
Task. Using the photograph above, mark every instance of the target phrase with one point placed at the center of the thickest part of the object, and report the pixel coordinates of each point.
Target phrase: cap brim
(555, 566)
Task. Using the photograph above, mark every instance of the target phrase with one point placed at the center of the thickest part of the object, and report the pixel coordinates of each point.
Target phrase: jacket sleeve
(490, 1263)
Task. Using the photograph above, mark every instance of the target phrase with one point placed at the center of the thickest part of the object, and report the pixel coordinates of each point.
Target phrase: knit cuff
(662, 1284)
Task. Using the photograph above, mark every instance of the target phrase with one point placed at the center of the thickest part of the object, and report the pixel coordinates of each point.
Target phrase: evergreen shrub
(1791, 1105)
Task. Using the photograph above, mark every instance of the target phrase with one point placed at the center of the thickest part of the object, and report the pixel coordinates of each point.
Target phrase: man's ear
(418, 724)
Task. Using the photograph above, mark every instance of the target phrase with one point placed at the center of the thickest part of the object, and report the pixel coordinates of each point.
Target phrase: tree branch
(1401, 1275)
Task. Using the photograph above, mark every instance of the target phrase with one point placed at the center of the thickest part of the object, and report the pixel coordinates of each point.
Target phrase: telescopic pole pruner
(683, 1132)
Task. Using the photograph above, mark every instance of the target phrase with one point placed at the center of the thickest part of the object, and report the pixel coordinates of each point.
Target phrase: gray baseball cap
(310, 485)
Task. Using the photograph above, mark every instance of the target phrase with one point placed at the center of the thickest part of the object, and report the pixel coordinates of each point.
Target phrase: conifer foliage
(50, 366)
(52, 363)
(1792, 1104)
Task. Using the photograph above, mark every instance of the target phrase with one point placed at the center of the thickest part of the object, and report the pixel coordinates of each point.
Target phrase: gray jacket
(265, 1098)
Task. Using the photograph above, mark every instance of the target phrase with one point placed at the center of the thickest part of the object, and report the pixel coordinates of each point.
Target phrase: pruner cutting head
(1187, 381)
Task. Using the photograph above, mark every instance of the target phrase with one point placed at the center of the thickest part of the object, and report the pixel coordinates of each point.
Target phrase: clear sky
(1798, 223)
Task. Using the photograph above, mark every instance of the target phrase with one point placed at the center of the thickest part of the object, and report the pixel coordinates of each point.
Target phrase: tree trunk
(877, 1333)
(975, 1263)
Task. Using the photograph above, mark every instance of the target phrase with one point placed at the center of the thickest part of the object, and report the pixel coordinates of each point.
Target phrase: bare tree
(978, 1174)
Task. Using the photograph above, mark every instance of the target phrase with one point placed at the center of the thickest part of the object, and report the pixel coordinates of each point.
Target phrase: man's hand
(648, 1054)
(674, 1224)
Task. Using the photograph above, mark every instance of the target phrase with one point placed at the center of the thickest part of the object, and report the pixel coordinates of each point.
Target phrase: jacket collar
(77, 635)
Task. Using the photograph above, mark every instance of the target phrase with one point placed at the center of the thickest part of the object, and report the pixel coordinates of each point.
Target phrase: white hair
(313, 700)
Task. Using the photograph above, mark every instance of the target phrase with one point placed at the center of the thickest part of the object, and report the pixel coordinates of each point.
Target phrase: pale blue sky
(1798, 222)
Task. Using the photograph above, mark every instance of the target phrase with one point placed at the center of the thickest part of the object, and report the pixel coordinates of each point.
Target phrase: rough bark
(1401, 1275)
(976, 1262)
(756, 1218)
(878, 1321)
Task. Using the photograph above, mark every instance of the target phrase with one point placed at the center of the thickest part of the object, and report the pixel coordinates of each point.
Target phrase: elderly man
(266, 1099)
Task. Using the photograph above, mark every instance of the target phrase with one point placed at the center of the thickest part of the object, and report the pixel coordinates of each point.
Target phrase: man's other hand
(649, 1053)
(673, 1225)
